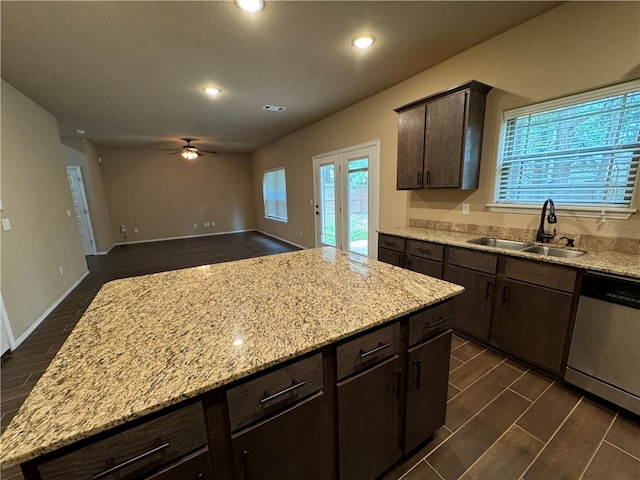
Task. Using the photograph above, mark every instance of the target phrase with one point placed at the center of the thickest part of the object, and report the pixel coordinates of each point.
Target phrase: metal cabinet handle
(397, 373)
(440, 320)
(401, 261)
(418, 364)
(245, 463)
(131, 461)
(408, 264)
(428, 177)
(294, 385)
(489, 289)
(419, 182)
(505, 294)
(381, 346)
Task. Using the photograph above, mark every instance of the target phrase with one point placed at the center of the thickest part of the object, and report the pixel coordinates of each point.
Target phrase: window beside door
(274, 191)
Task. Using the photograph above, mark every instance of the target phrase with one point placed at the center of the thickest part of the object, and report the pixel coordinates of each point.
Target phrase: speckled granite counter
(617, 263)
(149, 342)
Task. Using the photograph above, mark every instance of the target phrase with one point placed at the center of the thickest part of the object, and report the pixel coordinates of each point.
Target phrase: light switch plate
(6, 224)
(465, 209)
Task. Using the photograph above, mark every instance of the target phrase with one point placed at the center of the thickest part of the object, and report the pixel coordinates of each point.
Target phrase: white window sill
(279, 220)
(616, 213)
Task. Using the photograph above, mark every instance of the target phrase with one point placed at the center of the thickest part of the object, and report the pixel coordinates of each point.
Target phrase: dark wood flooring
(503, 420)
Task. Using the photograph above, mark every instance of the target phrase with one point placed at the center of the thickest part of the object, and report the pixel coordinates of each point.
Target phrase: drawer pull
(131, 461)
(294, 385)
(439, 321)
(381, 346)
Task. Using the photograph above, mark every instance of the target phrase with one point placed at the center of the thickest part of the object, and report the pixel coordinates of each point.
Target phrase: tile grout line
(553, 435)
(595, 452)
(621, 449)
(508, 387)
(477, 379)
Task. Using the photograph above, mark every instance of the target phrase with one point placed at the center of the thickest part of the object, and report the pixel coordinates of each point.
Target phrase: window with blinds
(274, 191)
(581, 150)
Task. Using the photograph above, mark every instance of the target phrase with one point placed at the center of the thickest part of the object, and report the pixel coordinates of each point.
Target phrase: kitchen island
(150, 343)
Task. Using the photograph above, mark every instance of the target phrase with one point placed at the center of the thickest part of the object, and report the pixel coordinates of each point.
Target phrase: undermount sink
(553, 252)
(499, 243)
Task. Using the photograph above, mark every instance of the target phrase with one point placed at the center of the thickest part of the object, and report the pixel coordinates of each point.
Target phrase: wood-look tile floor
(503, 421)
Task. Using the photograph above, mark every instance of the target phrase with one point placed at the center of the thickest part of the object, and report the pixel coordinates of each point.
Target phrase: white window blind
(274, 189)
(581, 150)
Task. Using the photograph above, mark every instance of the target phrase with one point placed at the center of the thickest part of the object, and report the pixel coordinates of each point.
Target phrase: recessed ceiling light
(81, 131)
(213, 91)
(251, 6)
(363, 41)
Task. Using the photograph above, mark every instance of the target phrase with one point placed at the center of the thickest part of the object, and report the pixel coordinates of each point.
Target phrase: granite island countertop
(149, 342)
(605, 261)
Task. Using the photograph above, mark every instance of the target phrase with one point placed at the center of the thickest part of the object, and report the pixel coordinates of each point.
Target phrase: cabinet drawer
(391, 242)
(153, 444)
(483, 262)
(367, 349)
(270, 392)
(196, 466)
(432, 251)
(538, 273)
(425, 324)
(391, 256)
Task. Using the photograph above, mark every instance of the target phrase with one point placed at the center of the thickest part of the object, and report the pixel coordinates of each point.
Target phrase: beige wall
(35, 196)
(575, 47)
(85, 155)
(164, 195)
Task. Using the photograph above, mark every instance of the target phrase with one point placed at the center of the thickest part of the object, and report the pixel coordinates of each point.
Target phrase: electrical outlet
(135, 230)
(61, 270)
(123, 228)
(195, 225)
(300, 232)
(6, 224)
(68, 212)
(213, 224)
(207, 224)
(465, 209)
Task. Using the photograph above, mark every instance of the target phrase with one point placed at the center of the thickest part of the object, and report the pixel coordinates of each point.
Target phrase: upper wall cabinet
(440, 139)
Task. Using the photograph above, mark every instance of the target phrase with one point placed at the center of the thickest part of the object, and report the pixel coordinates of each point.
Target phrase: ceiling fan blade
(207, 151)
(174, 153)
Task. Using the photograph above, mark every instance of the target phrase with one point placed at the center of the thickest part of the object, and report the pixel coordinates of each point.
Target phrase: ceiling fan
(189, 151)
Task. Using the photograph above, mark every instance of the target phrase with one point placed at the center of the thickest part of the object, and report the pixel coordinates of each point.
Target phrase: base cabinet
(427, 384)
(369, 421)
(196, 466)
(293, 444)
(472, 308)
(532, 322)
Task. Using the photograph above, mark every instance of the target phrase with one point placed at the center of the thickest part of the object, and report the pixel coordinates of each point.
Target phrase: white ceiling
(131, 73)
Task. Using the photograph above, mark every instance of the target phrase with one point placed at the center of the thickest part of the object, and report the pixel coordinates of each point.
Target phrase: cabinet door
(422, 265)
(531, 322)
(428, 371)
(196, 466)
(411, 124)
(291, 445)
(391, 256)
(472, 308)
(444, 141)
(369, 421)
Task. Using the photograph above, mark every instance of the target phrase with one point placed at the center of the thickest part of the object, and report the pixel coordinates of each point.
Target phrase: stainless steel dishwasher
(604, 358)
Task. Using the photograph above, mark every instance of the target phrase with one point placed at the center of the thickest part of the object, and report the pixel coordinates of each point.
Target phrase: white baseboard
(105, 252)
(35, 324)
(184, 236)
(283, 240)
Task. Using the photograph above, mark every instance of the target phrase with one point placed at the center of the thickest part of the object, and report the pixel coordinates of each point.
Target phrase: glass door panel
(358, 205)
(327, 210)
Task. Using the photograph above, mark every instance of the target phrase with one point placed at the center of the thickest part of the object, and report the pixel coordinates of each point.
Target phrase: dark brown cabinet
(391, 249)
(369, 421)
(440, 139)
(291, 445)
(196, 466)
(427, 383)
(476, 272)
(416, 255)
(533, 309)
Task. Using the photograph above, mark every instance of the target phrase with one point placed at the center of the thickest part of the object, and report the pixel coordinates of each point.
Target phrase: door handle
(489, 289)
(397, 372)
(505, 294)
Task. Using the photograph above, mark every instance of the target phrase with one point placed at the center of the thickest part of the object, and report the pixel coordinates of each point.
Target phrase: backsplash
(586, 242)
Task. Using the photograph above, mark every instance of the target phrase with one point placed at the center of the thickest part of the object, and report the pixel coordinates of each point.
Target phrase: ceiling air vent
(274, 108)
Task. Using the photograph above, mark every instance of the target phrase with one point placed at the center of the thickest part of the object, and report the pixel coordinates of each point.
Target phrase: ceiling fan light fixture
(189, 154)
(363, 41)
(213, 91)
(251, 6)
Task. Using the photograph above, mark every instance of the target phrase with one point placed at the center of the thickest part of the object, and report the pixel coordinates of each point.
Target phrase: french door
(346, 199)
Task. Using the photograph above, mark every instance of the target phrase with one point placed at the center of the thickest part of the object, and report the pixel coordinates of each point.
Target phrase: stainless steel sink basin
(553, 252)
(499, 243)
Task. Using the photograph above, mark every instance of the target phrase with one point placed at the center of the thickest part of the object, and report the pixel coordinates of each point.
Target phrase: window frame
(277, 217)
(580, 210)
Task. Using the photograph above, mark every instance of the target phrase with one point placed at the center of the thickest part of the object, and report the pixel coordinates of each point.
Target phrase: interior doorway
(81, 208)
(346, 186)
